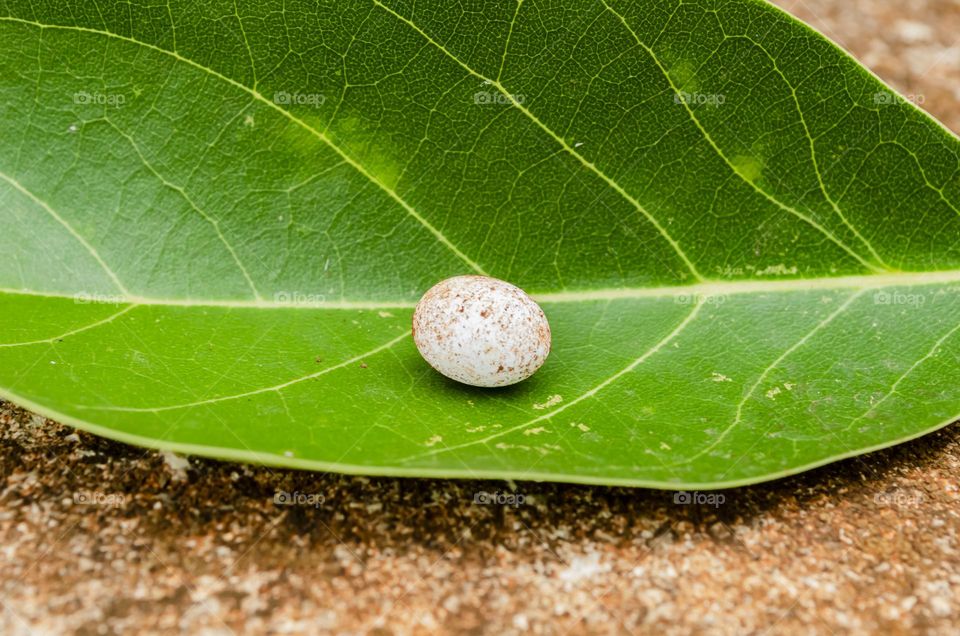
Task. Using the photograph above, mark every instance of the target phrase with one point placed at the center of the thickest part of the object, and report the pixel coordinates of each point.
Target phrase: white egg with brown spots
(481, 331)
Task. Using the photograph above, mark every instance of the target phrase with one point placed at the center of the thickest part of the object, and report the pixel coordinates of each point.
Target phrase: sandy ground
(101, 538)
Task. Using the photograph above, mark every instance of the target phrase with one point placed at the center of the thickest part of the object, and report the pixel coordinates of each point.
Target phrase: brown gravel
(866, 545)
(98, 537)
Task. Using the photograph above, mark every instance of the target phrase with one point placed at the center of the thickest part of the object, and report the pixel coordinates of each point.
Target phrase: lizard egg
(481, 331)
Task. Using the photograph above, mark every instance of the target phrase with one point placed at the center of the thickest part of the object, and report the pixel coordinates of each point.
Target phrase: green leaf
(215, 219)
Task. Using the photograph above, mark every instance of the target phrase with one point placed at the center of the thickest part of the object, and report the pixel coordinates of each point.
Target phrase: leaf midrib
(694, 292)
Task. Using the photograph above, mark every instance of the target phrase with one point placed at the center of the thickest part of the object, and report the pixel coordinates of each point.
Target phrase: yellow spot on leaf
(778, 270)
(553, 400)
(377, 155)
(684, 75)
(748, 167)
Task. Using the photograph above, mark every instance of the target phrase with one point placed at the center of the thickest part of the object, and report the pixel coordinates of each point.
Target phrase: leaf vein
(576, 155)
(237, 396)
(709, 138)
(214, 223)
(438, 235)
(72, 332)
(93, 252)
(893, 389)
(580, 398)
(738, 418)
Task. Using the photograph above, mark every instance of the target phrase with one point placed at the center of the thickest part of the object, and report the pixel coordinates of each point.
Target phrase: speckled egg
(481, 331)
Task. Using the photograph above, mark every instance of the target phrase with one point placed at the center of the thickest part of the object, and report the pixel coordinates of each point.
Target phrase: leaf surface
(215, 219)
